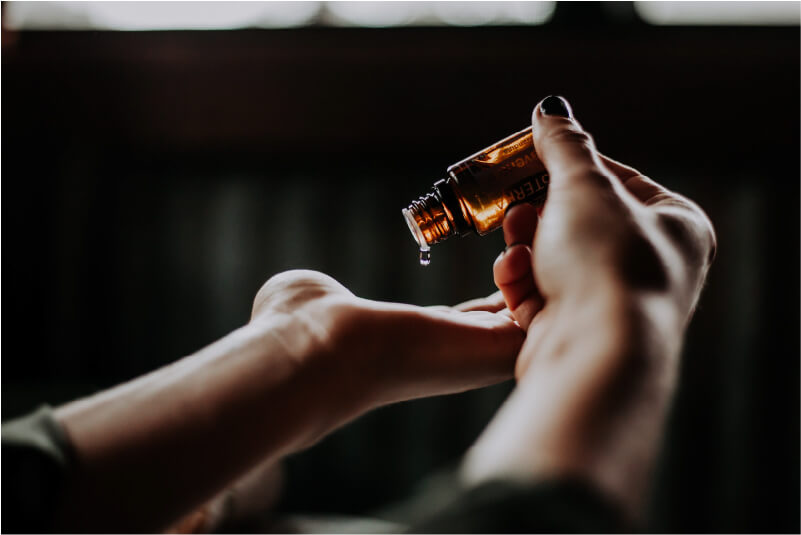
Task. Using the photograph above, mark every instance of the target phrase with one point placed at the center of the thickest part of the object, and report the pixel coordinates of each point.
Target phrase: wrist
(322, 384)
(592, 394)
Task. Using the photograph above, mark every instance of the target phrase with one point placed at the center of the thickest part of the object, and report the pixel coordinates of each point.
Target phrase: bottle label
(508, 169)
(489, 181)
(531, 190)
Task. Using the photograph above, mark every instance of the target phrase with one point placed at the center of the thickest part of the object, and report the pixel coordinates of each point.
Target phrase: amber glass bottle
(477, 192)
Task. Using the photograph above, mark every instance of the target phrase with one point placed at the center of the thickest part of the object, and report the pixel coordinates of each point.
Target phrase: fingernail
(515, 244)
(554, 105)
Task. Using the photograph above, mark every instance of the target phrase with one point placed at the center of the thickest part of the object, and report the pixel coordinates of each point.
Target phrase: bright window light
(157, 15)
(229, 15)
(376, 14)
(383, 14)
(720, 13)
(480, 13)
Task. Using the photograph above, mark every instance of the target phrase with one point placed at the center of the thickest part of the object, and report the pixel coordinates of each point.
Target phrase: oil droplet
(425, 256)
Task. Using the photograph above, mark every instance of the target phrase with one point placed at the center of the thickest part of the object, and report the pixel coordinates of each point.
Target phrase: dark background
(152, 181)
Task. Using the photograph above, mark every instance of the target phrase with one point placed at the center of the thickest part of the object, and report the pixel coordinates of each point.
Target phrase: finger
(491, 303)
(651, 193)
(520, 224)
(683, 220)
(482, 340)
(439, 353)
(567, 151)
(513, 270)
(514, 277)
(620, 170)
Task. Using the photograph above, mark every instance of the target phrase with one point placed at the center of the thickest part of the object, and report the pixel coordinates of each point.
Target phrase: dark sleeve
(36, 457)
(555, 506)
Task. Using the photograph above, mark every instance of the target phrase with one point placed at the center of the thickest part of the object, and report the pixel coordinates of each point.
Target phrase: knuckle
(286, 279)
(294, 286)
(573, 135)
(591, 175)
(690, 230)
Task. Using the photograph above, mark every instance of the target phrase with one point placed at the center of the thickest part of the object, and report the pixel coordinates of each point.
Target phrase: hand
(604, 279)
(385, 352)
(312, 357)
(375, 353)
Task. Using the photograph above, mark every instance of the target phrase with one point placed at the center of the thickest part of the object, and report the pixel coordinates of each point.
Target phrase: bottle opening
(428, 220)
(415, 229)
(419, 237)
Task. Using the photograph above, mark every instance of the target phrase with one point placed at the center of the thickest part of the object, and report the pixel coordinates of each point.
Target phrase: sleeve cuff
(37, 456)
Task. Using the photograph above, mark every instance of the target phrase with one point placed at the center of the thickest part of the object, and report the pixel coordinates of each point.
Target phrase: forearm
(150, 450)
(595, 408)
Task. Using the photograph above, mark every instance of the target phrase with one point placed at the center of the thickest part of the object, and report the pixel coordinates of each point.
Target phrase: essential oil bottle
(478, 190)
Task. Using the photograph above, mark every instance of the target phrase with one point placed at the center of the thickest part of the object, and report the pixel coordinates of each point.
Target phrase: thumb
(567, 151)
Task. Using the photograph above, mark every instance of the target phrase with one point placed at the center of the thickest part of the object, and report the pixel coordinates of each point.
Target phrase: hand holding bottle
(604, 278)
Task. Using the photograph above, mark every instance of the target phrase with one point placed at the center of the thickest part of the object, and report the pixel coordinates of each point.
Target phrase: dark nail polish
(555, 106)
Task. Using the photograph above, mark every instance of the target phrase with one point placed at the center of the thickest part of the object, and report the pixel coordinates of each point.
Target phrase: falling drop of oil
(425, 256)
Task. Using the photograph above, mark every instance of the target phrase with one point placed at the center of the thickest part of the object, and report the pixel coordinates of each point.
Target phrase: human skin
(605, 278)
(313, 357)
(601, 287)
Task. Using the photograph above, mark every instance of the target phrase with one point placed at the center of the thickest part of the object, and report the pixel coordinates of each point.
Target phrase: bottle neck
(436, 216)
